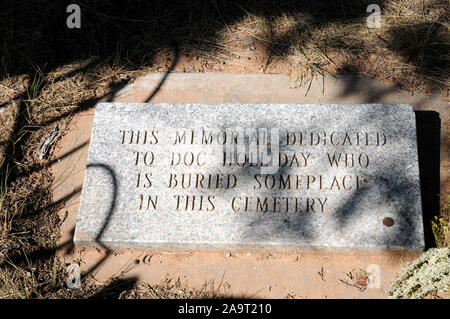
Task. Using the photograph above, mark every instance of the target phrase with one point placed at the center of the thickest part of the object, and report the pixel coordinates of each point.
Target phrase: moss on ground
(427, 274)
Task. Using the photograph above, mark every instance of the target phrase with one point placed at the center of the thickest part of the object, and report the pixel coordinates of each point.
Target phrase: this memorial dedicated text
(295, 153)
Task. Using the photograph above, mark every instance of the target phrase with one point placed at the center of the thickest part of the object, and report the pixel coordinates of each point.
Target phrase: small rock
(47, 142)
(2, 109)
(228, 255)
(426, 10)
(195, 57)
(411, 93)
(223, 62)
(73, 280)
(238, 56)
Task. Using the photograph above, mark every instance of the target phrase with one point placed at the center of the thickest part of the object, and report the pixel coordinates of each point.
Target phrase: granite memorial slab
(230, 176)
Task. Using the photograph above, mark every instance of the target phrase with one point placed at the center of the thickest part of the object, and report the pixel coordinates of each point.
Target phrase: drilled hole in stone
(388, 222)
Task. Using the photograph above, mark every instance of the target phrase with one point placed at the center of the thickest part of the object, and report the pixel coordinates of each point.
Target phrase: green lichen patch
(427, 274)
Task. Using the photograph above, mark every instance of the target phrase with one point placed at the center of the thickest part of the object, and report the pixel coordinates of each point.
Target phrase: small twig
(361, 289)
(321, 274)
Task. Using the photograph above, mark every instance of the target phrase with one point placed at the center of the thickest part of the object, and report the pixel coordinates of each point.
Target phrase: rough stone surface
(113, 213)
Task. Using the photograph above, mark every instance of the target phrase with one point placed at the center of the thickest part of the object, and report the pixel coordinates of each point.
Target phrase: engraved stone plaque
(228, 176)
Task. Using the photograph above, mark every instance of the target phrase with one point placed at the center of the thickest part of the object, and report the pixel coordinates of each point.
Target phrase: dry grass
(174, 289)
(48, 73)
(441, 226)
(411, 50)
(27, 281)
